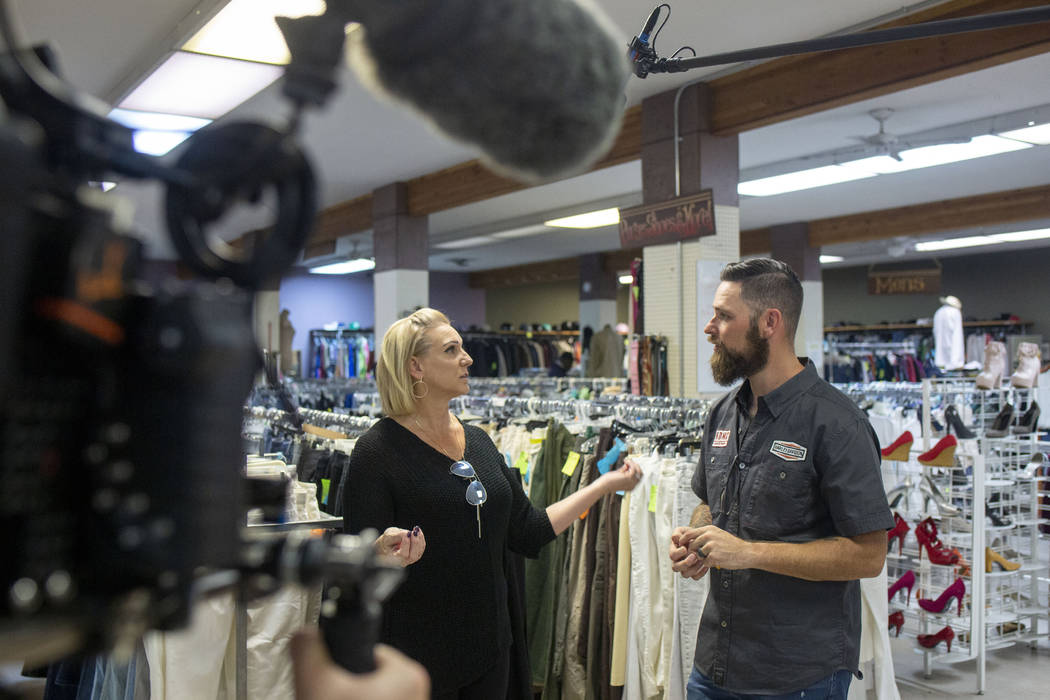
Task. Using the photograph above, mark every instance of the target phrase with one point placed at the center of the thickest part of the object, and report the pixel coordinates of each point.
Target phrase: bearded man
(792, 510)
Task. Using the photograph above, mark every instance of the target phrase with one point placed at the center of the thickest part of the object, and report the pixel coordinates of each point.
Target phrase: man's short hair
(766, 283)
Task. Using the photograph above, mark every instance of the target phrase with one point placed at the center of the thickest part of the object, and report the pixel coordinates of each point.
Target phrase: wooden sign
(667, 222)
(922, 281)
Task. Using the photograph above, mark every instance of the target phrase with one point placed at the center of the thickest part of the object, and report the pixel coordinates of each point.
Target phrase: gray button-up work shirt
(806, 467)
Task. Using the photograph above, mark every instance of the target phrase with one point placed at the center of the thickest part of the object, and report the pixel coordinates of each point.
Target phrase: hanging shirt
(949, 345)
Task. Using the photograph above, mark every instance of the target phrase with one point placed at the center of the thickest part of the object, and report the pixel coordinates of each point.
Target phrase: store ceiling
(359, 143)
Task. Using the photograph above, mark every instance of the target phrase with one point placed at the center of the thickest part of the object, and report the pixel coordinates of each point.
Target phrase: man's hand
(407, 546)
(317, 677)
(687, 563)
(719, 549)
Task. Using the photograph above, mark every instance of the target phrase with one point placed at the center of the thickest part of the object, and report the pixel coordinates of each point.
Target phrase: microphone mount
(646, 60)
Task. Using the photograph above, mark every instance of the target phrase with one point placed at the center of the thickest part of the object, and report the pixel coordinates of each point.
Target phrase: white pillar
(596, 313)
(397, 294)
(809, 338)
(678, 306)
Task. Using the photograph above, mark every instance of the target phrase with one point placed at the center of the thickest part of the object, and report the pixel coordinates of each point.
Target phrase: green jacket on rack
(543, 576)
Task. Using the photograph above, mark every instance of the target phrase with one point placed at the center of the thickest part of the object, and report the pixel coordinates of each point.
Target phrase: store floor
(1017, 672)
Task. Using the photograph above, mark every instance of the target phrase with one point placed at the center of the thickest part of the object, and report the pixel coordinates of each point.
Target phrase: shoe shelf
(974, 492)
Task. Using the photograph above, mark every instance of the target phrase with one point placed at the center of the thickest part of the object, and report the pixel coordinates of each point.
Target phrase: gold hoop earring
(426, 389)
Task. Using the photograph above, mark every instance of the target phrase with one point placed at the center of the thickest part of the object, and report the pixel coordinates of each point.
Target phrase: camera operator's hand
(406, 546)
(317, 677)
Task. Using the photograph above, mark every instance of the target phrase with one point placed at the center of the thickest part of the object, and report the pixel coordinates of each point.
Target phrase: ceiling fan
(890, 144)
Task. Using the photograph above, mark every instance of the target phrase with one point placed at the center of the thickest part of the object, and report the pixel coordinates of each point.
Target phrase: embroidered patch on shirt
(721, 438)
(788, 451)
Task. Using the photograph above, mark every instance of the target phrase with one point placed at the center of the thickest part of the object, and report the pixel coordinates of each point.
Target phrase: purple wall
(314, 300)
(451, 293)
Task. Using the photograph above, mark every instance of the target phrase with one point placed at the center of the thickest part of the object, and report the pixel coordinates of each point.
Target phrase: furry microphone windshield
(536, 85)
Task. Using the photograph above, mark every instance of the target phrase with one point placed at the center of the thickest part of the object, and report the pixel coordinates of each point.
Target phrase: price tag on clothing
(326, 485)
(570, 463)
(522, 463)
(652, 498)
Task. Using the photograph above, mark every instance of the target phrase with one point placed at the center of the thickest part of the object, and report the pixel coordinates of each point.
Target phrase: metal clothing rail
(311, 416)
(901, 345)
(625, 407)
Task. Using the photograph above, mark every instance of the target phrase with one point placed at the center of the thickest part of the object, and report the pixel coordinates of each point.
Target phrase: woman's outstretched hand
(623, 479)
(407, 546)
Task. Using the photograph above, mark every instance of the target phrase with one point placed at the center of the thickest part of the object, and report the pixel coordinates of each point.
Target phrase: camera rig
(122, 495)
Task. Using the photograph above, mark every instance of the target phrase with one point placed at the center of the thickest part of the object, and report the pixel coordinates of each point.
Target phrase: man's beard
(728, 366)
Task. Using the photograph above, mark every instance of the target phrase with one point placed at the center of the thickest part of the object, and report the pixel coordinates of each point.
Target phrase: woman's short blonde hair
(403, 341)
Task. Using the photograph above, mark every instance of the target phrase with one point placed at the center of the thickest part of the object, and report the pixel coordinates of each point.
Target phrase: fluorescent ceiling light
(522, 232)
(963, 242)
(344, 268)
(626, 279)
(941, 154)
(831, 258)
(593, 219)
(801, 180)
(157, 122)
(157, 143)
(1038, 134)
(200, 86)
(156, 134)
(990, 239)
(466, 242)
(246, 29)
(1015, 236)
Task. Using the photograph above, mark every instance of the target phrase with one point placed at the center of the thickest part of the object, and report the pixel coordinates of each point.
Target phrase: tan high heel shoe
(994, 366)
(990, 556)
(1028, 364)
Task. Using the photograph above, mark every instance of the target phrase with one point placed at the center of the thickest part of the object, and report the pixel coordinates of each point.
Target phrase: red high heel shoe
(942, 454)
(897, 620)
(907, 581)
(946, 635)
(957, 590)
(926, 533)
(900, 529)
(899, 449)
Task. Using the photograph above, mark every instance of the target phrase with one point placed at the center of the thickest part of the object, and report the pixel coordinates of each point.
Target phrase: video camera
(122, 497)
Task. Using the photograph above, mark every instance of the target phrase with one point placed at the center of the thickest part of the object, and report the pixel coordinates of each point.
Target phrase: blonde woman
(448, 507)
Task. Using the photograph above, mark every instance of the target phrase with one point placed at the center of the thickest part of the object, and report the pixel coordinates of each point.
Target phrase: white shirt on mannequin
(948, 342)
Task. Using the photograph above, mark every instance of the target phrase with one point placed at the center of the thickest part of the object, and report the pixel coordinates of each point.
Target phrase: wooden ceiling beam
(795, 86)
(994, 209)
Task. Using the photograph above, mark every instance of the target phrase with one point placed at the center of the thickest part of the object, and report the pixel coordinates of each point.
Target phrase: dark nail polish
(416, 531)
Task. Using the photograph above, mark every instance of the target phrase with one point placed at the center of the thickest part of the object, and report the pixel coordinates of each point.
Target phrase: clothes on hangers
(505, 354)
(341, 354)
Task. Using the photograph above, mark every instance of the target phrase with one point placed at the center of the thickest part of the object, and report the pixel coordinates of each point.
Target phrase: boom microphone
(536, 85)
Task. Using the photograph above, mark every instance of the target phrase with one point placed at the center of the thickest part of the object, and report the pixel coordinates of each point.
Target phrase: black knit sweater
(450, 613)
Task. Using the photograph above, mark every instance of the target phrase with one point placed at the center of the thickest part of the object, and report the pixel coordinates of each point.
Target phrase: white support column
(809, 339)
(596, 313)
(397, 294)
(673, 307)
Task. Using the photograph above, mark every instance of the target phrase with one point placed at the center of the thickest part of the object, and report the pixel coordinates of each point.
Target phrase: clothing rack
(488, 385)
(874, 346)
(680, 412)
(307, 415)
